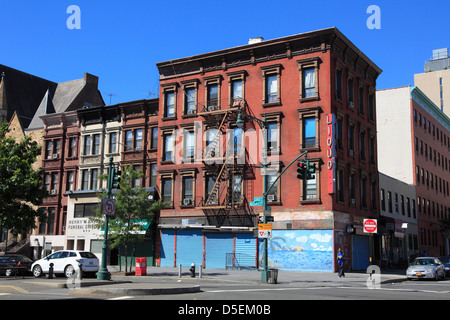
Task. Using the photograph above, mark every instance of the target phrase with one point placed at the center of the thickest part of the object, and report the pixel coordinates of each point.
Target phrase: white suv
(66, 262)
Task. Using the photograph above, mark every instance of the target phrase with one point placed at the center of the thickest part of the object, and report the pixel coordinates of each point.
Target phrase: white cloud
(321, 237)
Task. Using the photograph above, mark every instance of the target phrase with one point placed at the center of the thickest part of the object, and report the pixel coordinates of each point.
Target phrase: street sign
(109, 207)
(255, 204)
(264, 230)
(258, 199)
(370, 225)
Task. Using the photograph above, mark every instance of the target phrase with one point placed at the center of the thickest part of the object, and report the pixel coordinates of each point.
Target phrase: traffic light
(301, 170)
(115, 184)
(310, 170)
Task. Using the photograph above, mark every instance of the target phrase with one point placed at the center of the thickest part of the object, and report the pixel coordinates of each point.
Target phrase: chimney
(255, 40)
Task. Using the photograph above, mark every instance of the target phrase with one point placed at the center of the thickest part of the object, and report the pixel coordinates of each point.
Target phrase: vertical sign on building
(331, 153)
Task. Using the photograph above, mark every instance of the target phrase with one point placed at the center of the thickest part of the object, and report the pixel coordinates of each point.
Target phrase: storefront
(213, 248)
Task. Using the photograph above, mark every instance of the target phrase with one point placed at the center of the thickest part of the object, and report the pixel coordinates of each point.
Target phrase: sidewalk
(167, 281)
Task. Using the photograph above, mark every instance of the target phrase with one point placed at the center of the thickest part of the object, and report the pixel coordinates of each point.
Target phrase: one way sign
(264, 230)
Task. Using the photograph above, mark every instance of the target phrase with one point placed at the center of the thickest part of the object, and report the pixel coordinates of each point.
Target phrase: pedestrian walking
(340, 258)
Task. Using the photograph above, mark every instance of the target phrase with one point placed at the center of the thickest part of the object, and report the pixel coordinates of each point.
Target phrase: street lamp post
(103, 273)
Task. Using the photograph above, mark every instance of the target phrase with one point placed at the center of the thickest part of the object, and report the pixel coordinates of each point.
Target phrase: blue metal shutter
(189, 247)
(245, 251)
(216, 248)
(360, 252)
(167, 247)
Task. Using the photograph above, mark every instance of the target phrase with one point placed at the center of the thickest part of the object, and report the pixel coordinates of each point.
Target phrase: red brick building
(316, 92)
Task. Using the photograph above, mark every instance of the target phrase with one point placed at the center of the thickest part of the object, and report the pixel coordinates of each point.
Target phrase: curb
(133, 291)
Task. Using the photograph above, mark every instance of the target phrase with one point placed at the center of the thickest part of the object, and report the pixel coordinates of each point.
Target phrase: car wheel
(37, 271)
(69, 271)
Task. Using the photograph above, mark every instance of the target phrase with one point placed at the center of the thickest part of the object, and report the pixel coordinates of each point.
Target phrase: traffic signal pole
(266, 208)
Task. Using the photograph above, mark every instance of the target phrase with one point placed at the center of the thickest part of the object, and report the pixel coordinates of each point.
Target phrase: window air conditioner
(271, 197)
(187, 202)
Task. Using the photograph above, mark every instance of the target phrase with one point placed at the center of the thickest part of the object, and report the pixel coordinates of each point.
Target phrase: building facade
(419, 158)
(315, 92)
(435, 81)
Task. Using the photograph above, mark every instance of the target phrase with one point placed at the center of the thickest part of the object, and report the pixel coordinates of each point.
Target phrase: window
(154, 143)
(113, 142)
(188, 190)
(166, 188)
(189, 103)
(138, 139)
(236, 83)
(237, 141)
(128, 140)
(57, 148)
(361, 100)
(169, 106)
(364, 192)
(339, 133)
(352, 188)
(362, 146)
(389, 199)
(309, 74)
(309, 129)
(309, 132)
(51, 221)
(188, 152)
(85, 210)
(96, 147)
(383, 203)
(87, 145)
(272, 136)
(338, 84)
(69, 183)
(212, 143)
(309, 83)
(272, 196)
(54, 183)
(85, 180)
(212, 98)
(153, 174)
(237, 188)
(49, 149)
(351, 140)
(236, 90)
(72, 152)
(137, 181)
(371, 107)
(94, 179)
(210, 180)
(340, 184)
(271, 89)
(168, 147)
(350, 90)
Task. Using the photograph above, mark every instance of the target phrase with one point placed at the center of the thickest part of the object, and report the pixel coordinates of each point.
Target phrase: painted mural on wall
(300, 250)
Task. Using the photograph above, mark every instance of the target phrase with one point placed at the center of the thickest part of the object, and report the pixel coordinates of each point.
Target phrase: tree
(134, 209)
(21, 187)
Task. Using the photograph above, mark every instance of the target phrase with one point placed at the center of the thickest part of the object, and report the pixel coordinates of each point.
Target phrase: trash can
(272, 276)
(141, 267)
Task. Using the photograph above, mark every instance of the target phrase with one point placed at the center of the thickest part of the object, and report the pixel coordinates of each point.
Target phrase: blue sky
(121, 41)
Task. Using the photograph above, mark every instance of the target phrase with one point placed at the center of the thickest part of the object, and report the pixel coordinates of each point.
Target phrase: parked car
(10, 262)
(446, 262)
(426, 267)
(66, 262)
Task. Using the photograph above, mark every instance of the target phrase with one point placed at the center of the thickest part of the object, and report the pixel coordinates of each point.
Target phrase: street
(234, 291)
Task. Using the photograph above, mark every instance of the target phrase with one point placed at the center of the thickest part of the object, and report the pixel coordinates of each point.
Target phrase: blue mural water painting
(300, 250)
